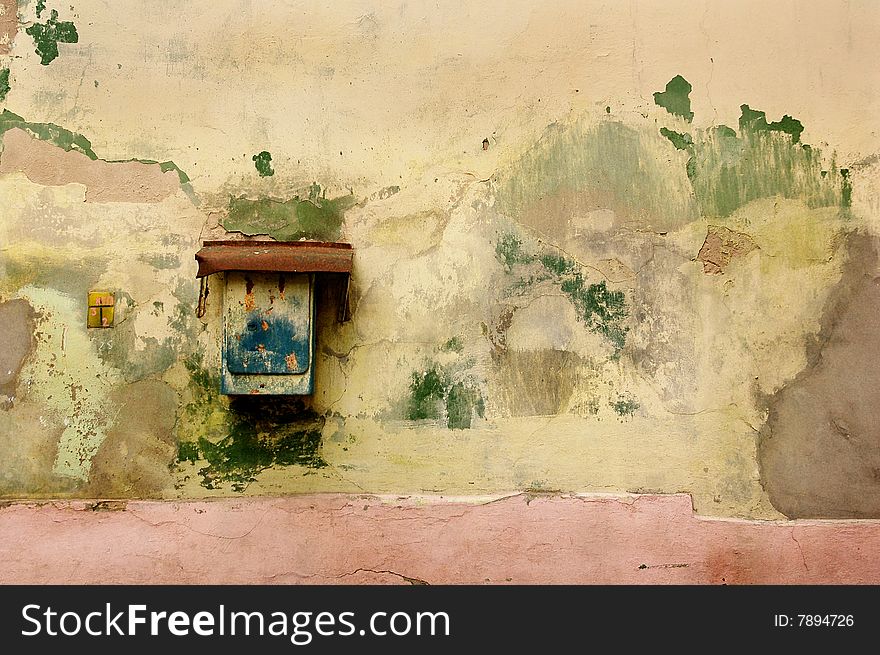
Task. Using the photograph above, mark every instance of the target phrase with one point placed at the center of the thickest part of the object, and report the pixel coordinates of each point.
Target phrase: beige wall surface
(585, 261)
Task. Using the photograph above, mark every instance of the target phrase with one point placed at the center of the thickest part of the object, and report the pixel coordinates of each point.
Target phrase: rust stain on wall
(43, 163)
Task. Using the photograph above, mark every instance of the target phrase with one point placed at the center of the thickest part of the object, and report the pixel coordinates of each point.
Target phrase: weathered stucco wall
(598, 248)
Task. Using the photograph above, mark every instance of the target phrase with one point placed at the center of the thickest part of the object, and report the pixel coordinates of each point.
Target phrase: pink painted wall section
(360, 540)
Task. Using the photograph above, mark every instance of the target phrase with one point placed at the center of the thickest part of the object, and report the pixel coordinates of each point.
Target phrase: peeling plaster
(8, 25)
(44, 163)
(68, 378)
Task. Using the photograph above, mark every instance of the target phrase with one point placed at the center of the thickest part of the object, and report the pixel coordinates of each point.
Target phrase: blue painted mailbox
(269, 310)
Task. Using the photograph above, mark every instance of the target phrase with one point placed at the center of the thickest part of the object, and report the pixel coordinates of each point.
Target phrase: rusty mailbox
(268, 344)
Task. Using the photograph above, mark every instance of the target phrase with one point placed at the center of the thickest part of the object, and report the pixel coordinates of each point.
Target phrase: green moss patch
(624, 407)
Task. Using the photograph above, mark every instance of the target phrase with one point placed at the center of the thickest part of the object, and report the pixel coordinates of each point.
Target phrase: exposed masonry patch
(307, 216)
(136, 456)
(722, 245)
(16, 342)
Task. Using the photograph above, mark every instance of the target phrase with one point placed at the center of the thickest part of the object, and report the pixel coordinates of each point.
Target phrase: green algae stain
(462, 403)
(427, 391)
(766, 159)
(728, 171)
(161, 261)
(756, 121)
(445, 392)
(263, 163)
(583, 166)
(314, 217)
(557, 264)
(4, 83)
(676, 98)
(188, 451)
(206, 384)
(48, 35)
(238, 438)
(600, 308)
(509, 251)
(71, 141)
(845, 189)
(453, 345)
(624, 407)
(681, 140)
(241, 456)
(41, 7)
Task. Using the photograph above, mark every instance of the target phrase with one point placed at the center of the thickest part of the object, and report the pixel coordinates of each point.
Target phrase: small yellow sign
(101, 309)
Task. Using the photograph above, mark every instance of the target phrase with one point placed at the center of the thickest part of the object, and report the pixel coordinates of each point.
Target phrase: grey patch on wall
(116, 348)
(135, 458)
(27, 453)
(661, 345)
(534, 382)
(819, 451)
(161, 261)
(16, 342)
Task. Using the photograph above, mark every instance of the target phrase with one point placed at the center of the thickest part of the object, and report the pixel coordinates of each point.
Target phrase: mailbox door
(268, 333)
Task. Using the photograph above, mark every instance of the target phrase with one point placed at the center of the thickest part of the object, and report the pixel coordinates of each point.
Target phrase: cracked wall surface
(595, 250)
(520, 539)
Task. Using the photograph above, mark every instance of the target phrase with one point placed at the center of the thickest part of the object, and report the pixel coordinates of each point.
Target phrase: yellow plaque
(101, 309)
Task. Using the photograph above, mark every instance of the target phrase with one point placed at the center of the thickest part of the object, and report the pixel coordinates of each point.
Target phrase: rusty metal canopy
(274, 256)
